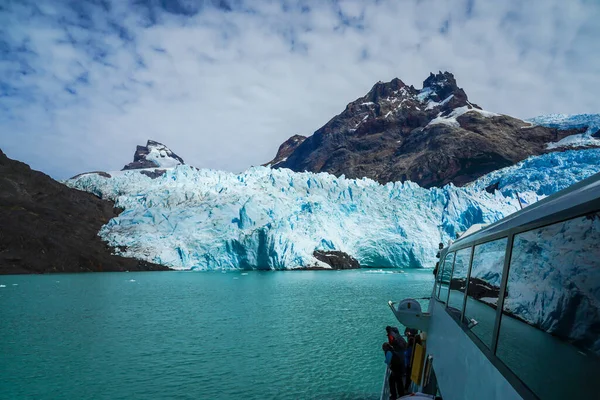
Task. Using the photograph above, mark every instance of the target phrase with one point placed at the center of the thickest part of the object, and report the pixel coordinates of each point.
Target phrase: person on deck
(395, 339)
(395, 362)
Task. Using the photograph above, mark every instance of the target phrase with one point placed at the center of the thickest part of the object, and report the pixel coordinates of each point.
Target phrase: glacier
(565, 121)
(264, 218)
(543, 175)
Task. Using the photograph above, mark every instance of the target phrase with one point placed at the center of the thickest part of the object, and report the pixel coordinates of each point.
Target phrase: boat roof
(472, 229)
(578, 199)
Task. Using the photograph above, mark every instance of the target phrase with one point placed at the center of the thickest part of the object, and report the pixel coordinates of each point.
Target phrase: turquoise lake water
(198, 335)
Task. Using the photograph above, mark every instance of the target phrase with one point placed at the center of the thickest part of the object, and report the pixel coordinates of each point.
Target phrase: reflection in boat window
(458, 282)
(484, 288)
(554, 287)
(445, 277)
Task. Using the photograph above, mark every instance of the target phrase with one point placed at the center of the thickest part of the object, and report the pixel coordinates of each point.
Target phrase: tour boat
(515, 308)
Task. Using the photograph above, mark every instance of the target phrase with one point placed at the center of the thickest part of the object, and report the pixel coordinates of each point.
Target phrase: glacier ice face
(543, 175)
(275, 219)
(564, 121)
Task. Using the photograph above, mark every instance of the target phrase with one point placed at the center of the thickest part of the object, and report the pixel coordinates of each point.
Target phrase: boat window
(550, 326)
(484, 288)
(445, 277)
(458, 283)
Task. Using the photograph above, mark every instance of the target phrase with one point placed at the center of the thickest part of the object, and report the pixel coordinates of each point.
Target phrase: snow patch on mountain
(450, 119)
(161, 155)
(431, 104)
(153, 155)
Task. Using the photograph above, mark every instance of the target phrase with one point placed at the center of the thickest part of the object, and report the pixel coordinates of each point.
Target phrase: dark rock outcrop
(286, 149)
(48, 227)
(161, 154)
(337, 259)
(101, 173)
(431, 136)
(493, 187)
(154, 174)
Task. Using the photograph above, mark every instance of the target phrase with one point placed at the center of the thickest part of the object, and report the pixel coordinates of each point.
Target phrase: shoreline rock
(338, 260)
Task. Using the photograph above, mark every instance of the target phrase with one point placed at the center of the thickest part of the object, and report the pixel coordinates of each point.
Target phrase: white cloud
(79, 88)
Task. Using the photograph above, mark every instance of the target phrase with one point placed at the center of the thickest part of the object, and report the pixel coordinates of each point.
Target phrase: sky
(223, 83)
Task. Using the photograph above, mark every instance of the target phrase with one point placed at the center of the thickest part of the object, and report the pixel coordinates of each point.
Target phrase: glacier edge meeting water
(275, 218)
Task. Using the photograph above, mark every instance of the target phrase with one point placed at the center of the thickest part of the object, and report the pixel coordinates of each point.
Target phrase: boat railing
(385, 388)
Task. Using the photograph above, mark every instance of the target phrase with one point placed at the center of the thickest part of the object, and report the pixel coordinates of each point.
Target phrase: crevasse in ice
(275, 219)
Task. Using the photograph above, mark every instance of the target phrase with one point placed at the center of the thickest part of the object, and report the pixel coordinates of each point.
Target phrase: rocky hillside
(48, 227)
(431, 136)
(286, 149)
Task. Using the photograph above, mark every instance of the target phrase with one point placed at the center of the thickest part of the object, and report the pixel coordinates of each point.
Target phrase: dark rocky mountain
(286, 149)
(48, 227)
(431, 136)
(153, 155)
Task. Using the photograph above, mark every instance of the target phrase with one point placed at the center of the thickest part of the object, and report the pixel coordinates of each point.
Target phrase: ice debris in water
(2, 285)
(275, 219)
(378, 271)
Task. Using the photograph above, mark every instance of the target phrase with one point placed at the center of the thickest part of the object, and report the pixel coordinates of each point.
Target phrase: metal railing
(385, 388)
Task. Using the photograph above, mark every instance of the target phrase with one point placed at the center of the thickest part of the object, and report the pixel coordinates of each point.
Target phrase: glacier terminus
(200, 219)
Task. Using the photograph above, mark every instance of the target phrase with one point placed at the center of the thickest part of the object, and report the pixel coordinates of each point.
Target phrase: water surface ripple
(191, 335)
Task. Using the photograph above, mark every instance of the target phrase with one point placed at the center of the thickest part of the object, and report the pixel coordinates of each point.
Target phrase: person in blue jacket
(395, 362)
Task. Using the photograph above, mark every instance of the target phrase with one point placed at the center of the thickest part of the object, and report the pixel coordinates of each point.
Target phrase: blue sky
(224, 82)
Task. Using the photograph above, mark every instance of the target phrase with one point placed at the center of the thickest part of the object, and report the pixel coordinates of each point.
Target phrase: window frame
(440, 274)
(467, 276)
(500, 310)
(502, 289)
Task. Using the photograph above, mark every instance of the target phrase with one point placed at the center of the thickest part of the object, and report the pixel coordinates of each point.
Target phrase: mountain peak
(439, 87)
(384, 90)
(431, 136)
(441, 79)
(153, 155)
